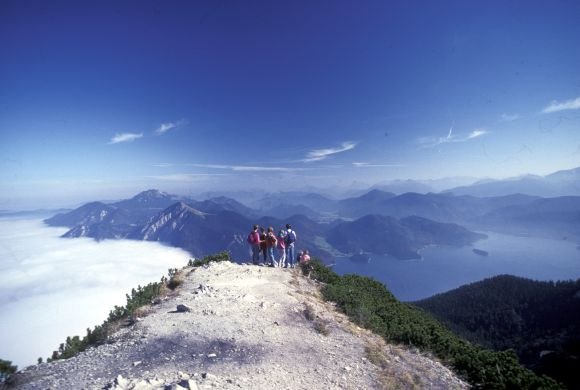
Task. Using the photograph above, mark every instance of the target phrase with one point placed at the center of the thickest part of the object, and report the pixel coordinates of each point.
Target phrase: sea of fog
(52, 287)
(444, 268)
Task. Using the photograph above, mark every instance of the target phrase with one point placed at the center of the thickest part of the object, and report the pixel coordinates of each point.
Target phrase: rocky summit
(242, 326)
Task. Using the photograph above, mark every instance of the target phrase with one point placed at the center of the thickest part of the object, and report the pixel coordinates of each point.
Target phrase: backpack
(290, 237)
(251, 238)
(272, 239)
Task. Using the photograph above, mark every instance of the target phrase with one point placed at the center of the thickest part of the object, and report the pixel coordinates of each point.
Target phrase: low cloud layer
(51, 287)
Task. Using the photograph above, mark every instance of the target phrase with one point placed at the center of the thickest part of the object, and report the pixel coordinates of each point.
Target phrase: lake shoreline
(443, 268)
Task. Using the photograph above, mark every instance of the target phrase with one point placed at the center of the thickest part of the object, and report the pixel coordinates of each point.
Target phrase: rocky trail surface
(234, 326)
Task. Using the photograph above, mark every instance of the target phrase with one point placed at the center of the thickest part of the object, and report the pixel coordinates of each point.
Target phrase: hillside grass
(369, 304)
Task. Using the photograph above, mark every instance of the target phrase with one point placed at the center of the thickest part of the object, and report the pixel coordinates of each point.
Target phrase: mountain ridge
(204, 231)
(559, 183)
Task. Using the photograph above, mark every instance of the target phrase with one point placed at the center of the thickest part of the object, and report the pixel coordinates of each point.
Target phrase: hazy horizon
(337, 192)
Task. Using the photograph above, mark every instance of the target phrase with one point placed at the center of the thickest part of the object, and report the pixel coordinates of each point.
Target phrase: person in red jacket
(254, 241)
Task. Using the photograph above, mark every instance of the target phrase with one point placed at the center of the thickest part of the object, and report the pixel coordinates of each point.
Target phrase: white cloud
(185, 177)
(162, 165)
(51, 287)
(431, 142)
(476, 133)
(165, 127)
(321, 154)
(246, 168)
(573, 104)
(125, 137)
(508, 117)
(375, 165)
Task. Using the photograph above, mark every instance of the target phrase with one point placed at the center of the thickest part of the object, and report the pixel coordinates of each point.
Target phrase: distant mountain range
(439, 207)
(422, 186)
(377, 221)
(203, 227)
(401, 238)
(539, 320)
(553, 217)
(561, 183)
(519, 214)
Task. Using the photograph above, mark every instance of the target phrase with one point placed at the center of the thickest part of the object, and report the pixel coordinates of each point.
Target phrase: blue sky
(101, 100)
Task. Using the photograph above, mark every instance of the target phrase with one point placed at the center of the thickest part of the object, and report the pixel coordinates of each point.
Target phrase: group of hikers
(277, 250)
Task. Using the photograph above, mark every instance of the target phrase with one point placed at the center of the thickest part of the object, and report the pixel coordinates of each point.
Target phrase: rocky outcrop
(241, 326)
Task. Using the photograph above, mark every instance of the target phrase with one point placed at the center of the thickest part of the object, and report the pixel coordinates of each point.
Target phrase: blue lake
(445, 268)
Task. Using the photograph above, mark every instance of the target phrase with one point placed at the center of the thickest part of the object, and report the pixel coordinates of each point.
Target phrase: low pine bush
(6, 371)
(220, 256)
(369, 304)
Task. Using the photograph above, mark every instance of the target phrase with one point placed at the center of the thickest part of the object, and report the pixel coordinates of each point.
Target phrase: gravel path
(248, 327)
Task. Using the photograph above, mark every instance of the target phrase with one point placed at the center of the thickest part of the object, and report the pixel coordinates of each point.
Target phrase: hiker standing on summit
(271, 242)
(282, 248)
(254, 241)
(263, 244)
(290, 240)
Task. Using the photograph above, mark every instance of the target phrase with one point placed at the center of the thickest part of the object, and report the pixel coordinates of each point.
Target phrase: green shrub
(6, 370)
(318, 271)
(368, 303)
(220, 256)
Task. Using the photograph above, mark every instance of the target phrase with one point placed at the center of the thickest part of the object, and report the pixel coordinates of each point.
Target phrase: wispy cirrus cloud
(555, 106)
(476, 133)
(321, 154)
(162, 129)
(235, 168)
(125, 137)
(246, 168)
(165, 127)
(376, 165)
(431, 142)
(185, 177)
(508, 117)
